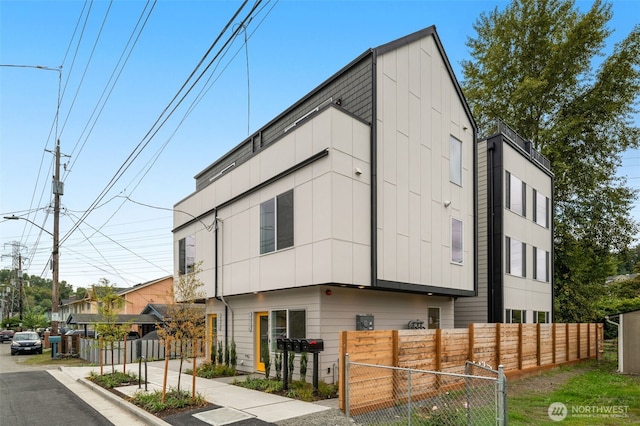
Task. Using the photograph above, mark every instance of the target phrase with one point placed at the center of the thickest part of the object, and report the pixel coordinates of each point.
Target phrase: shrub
(292, 359)
(174, 398)
(233, 357)
(112, 380)
(278, 366)
(303, 366)
(220, 349)
(266, 358)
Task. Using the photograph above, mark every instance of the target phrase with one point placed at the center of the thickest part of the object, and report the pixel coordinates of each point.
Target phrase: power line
(157, 125)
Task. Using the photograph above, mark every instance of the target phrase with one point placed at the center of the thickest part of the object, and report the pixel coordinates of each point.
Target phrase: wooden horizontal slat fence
(519, 348)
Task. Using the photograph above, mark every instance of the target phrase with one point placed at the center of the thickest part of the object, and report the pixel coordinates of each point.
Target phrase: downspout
(374, 172)
(227, 308)
(490, 218)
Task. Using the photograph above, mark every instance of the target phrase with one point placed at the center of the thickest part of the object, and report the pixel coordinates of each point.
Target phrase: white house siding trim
(418, 111)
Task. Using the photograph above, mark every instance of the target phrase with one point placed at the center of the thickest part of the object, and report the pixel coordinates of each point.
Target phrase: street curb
(145, 416)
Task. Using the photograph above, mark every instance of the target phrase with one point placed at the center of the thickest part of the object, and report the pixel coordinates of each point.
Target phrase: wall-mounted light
(358, 171)
(447, 203)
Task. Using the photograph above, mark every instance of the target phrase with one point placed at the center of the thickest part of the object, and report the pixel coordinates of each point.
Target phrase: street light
(54, 264)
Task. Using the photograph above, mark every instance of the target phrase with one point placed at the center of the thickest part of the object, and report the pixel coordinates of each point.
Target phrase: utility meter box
(364, 322)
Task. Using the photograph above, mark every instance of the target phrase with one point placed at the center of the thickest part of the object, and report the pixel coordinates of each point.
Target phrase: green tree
(533, 67)
(110, 303)
(185, 321)
(33, 319)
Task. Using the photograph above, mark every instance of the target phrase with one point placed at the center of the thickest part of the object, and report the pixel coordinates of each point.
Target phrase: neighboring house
(353, 209)
(140, 295)
(136, 299)
(515, 234)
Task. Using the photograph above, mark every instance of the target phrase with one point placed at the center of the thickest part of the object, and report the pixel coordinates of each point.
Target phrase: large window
(434, 318)
(540, 264)
(456, 240)
(515, 193)
(540, 317)
(515, 316)
(186, 254)
(516, 257)
(455, 161)
(291, 324)
(276, 223)
(540, 209)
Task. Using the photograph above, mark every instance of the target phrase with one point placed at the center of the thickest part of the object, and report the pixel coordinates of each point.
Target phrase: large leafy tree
(540, 66)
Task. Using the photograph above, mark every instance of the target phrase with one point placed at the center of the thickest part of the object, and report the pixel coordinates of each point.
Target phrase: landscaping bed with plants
(175, 400)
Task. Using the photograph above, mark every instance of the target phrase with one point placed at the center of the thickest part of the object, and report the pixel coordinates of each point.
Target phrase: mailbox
(296, 345)
(288, 344)
(280, 344)
(56, 342)
(312, 345)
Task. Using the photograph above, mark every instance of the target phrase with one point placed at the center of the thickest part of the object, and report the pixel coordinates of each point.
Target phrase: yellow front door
(262, 338)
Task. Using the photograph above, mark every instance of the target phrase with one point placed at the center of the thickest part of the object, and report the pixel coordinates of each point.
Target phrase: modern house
(353, 209)
(515, 234)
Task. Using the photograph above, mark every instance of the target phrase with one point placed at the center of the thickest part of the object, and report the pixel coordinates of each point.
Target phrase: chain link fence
(381, 395)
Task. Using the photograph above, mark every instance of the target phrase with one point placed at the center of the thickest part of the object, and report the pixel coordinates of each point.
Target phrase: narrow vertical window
(434, 318)
(455, 161)
(276, 223)
(515, 194)
(186, 254)
(540, 209)
(541, 264)
(515, 254)
(267, 226)
(284, 220)
(456, 240)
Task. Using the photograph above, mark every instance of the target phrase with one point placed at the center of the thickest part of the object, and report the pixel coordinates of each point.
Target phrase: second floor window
(540, 209)
(276, 223)
(541, 264)
(515, 194)
(456, 240)
(515, 261)
(455, 161)
(186, 254)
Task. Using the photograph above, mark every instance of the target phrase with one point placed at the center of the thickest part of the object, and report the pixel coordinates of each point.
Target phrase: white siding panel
(342, 208)
(322, 258)
(342, 261)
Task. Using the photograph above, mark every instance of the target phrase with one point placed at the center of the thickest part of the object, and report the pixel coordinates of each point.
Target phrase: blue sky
(293, 46)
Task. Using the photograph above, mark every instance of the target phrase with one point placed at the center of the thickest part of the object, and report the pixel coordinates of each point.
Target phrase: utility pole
(58, 190)
(20, 293)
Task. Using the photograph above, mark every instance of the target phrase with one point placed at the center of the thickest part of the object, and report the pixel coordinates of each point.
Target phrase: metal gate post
(409, 395)
(346, 385)
(501, 419)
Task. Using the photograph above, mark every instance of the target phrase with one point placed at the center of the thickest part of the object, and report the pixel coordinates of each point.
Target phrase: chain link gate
(381, 395)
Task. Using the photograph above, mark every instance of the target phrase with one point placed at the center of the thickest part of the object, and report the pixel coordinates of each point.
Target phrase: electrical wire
(153, 130)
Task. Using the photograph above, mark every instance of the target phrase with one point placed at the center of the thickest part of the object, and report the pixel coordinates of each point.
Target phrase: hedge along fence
(519, 348)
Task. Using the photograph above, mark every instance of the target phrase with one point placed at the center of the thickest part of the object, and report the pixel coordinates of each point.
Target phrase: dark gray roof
(81, 319)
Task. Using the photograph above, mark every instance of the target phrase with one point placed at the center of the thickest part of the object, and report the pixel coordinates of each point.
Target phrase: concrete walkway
(234, 402)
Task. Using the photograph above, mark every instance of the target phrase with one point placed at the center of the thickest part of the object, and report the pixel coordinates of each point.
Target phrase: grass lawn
(593, 393)
(45, 359)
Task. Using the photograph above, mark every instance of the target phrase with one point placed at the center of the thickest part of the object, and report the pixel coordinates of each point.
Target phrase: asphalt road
(31, 396)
